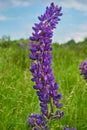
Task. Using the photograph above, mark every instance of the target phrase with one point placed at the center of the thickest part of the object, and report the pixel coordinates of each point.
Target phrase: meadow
(18, 99)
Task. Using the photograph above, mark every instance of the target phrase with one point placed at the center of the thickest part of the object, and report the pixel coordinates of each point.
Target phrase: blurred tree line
(6, 41)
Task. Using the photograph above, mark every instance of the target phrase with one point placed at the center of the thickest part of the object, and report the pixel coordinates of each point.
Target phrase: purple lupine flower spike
(45, 85)
(83, 68)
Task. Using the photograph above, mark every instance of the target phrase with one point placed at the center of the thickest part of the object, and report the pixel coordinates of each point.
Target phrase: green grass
(18, 99)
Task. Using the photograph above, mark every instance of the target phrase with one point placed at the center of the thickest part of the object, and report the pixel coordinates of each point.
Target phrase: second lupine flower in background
(83, 68)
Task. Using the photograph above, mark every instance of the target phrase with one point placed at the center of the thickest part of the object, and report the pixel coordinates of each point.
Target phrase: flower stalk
(41, 68)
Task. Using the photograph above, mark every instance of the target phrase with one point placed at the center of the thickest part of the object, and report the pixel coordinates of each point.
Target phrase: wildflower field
(18, 99)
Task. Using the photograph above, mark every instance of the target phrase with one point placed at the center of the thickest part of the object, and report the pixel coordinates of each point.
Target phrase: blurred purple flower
(83, 68)
(23, 45)
(67, 128)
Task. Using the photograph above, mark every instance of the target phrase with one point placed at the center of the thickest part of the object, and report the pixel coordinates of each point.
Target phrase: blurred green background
(18, 98)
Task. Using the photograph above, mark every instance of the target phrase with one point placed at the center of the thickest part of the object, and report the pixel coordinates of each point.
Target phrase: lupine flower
(67, 128)
(45, 85)
(41, 53)
(83, 68)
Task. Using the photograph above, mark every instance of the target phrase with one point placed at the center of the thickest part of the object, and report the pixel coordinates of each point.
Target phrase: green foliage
(5, 41)
(17, 97)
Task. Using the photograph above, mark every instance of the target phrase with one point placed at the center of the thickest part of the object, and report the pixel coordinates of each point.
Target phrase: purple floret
(37, 121)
